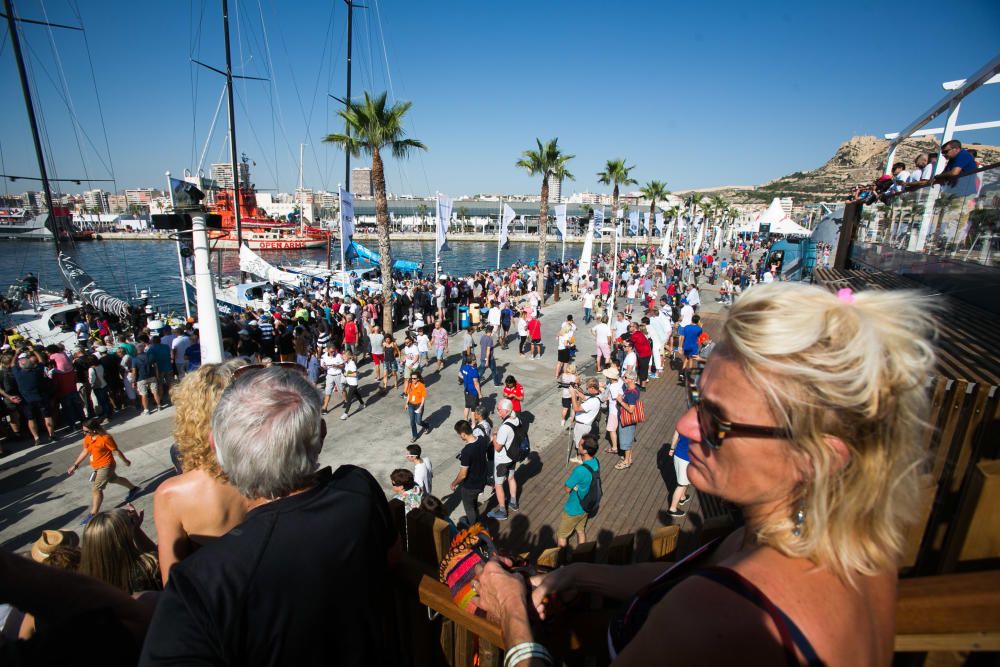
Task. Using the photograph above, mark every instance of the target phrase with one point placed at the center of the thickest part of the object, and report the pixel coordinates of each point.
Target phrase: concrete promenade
(36, 493)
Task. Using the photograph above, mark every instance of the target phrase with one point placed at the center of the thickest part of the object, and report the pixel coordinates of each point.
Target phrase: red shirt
(351, 332)
(515, 394)
(641, 344)
(535, 329)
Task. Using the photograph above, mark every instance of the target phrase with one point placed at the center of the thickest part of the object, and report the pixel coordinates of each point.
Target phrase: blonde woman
(117, 553)
(809, 417)
(199, 504)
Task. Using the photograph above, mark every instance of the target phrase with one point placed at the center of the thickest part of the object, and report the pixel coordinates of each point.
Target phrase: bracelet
(525, 651)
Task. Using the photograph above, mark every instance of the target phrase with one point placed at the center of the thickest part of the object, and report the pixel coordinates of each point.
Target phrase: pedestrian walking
(351, 391)
(416, 396)
(469, 377)
(471, 478)
(101, 448)
(574, 517)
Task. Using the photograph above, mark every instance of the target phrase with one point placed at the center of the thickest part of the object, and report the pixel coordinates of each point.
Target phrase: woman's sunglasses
(288, 365)
(714, 430)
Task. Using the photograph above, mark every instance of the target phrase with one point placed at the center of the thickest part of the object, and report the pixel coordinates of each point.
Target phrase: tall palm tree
(371, 128)
(616, 172)
(653, 191)
(548, 162)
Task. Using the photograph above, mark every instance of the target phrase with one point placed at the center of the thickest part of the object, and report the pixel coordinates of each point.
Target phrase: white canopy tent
(779, 222)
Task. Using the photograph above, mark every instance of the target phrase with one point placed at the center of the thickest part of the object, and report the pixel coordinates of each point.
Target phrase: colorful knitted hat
(458, 568)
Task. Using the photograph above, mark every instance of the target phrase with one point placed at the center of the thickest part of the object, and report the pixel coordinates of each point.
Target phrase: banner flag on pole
(346, 214)
(560, 210)
(633, 222)
(505, 220)
(443, 216)
(659, 221)
(599, 220)
(620, 214)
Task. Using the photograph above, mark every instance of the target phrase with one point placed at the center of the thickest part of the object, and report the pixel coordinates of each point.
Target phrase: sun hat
(49, 540)
(610, 373)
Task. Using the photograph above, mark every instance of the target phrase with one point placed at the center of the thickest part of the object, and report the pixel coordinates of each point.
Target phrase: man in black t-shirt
(471, 478)
(304, 580)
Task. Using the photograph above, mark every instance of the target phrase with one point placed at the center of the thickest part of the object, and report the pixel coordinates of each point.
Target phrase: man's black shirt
(473, 457)
(302, 581)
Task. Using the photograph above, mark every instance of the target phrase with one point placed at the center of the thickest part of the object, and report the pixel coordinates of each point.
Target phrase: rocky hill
(858, 160)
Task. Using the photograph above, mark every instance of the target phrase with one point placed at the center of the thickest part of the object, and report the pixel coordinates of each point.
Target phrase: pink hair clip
(846, 294)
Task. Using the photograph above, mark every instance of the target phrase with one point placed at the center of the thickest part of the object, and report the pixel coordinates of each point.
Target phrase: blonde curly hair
(852, 367)
(195, 399)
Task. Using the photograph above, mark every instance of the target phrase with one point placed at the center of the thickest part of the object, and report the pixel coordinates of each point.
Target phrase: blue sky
(697, 94)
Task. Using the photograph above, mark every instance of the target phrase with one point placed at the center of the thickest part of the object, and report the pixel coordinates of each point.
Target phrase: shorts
(377, 359)
(104, 476)
(603, 350)
(471, 400)
(31, 409)
(333, 381)
(408, 371)
(502, 470)
(567, 402)
(630, 300)
(564, 356)
(569, 524)
(681, 470)
(690, 354)
(391, 366)
(439, 353)
(536, 341)
(580, 430)
(626, 435)
(613, 419)
(149, 384)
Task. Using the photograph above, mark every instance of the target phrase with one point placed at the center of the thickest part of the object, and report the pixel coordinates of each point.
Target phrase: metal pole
(15, 41)
(347, 99)
(499, 232)
(208, 317)
(237, 194)
(180, 270)
(343, 265)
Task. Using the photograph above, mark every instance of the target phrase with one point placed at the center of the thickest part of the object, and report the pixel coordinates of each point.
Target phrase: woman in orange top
(101, 448)
(416, 395)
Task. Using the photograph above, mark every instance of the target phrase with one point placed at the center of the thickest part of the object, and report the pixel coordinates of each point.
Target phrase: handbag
(638, 416)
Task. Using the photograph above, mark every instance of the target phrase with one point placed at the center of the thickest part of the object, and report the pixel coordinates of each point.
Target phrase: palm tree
(653, 191)
(371, 128)
(548, 161)
(616, 172)
(422, 211)
(463, 214)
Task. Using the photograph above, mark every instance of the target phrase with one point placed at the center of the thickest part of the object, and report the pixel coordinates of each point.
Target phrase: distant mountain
(858, 160)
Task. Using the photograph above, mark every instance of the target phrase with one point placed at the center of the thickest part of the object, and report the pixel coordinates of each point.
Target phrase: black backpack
(519, 448)
(591, 502)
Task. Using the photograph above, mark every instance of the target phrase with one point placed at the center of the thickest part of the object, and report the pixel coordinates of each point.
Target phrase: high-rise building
(361, 182)
(139, 197)
(117, 203)
(96, 201)
(222, 174)
(555, 191)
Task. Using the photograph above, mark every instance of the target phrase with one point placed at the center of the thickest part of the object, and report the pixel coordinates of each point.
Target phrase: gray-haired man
(305, 578)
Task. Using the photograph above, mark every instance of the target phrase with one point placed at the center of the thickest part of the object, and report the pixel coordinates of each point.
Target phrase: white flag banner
(659, 221)
(524, 225)
(633, 222)
(599, 220)
(346, 214)
(505, 220)
(620, 214)
(560, 210)
(443, 216)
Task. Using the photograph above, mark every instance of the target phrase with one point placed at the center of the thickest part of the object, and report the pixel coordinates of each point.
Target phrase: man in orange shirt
(101, 448)
(416, 394)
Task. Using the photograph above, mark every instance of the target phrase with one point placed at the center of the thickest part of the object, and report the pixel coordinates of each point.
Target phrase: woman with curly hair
(199, 504)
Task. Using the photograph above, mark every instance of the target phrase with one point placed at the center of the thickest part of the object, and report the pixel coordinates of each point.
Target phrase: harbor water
(123, 267)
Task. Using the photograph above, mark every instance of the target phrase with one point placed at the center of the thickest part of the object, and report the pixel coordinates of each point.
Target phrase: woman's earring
(800, 519)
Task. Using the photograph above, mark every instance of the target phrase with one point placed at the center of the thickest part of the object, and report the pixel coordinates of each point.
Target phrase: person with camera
(567, 382)
(503, 464)
(586, 406)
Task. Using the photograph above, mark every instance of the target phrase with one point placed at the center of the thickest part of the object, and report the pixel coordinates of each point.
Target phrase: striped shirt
(266, 329)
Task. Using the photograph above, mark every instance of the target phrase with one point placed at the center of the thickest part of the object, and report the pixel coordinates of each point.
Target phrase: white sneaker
(343, 417)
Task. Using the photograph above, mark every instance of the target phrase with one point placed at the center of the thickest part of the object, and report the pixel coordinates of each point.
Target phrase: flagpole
(499, 232)
(343, 265)
(437, 235)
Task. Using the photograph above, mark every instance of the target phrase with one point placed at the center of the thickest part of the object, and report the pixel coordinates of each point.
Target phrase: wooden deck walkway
(635, 500)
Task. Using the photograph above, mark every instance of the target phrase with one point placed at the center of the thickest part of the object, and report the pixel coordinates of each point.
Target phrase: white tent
(789, 227)
(780, 223)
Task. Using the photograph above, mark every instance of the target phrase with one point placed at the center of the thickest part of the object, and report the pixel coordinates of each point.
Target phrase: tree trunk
(384, 246)
(543, 219)
(649, 224)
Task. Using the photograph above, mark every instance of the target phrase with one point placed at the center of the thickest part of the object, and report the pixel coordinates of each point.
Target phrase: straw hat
(611, 373)
(49, 540)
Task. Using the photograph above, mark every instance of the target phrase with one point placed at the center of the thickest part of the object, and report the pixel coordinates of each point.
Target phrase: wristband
(526, 651)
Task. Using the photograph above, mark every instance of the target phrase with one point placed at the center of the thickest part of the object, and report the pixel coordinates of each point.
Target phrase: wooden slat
(664, 542)
(972, 419)
(621, 550)
(436, 595)
(950, 612)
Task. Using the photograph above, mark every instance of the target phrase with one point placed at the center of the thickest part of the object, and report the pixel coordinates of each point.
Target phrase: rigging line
(40, 108)
(371, 60)
(65, 84)
(272, 89)
(253, 131)
(3, 165)
(400, 170)
(211, 130)
(410, 121)
(295, 84)
(59, 93)
(97, 95)
(195, 73)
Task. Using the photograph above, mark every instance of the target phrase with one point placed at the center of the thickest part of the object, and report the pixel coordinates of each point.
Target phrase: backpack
(519, 447)
(591, 502)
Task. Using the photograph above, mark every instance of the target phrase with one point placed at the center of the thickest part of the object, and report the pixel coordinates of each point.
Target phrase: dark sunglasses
(714, 430)
(288, 365)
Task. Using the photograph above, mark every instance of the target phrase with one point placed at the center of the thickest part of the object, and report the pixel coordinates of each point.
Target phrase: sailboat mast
(237, 186)
(32, 121)
(347, 99)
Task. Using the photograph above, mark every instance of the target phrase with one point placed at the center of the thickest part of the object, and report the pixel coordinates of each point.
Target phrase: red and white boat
(268, 239)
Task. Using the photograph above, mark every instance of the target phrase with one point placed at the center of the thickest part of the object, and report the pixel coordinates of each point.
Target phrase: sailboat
(51, 319)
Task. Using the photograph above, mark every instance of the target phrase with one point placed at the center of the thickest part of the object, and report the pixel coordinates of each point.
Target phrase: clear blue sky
(697, 94)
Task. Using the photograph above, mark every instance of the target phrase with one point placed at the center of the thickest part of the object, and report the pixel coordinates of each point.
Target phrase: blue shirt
(193, 356)
(469, 374)
(691, 333)
(964, 185)
(580, 479)
(681, 449)
(161, 355)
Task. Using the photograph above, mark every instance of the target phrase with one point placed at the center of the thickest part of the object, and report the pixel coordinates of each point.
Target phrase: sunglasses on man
(713, 429)
(287, 365)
